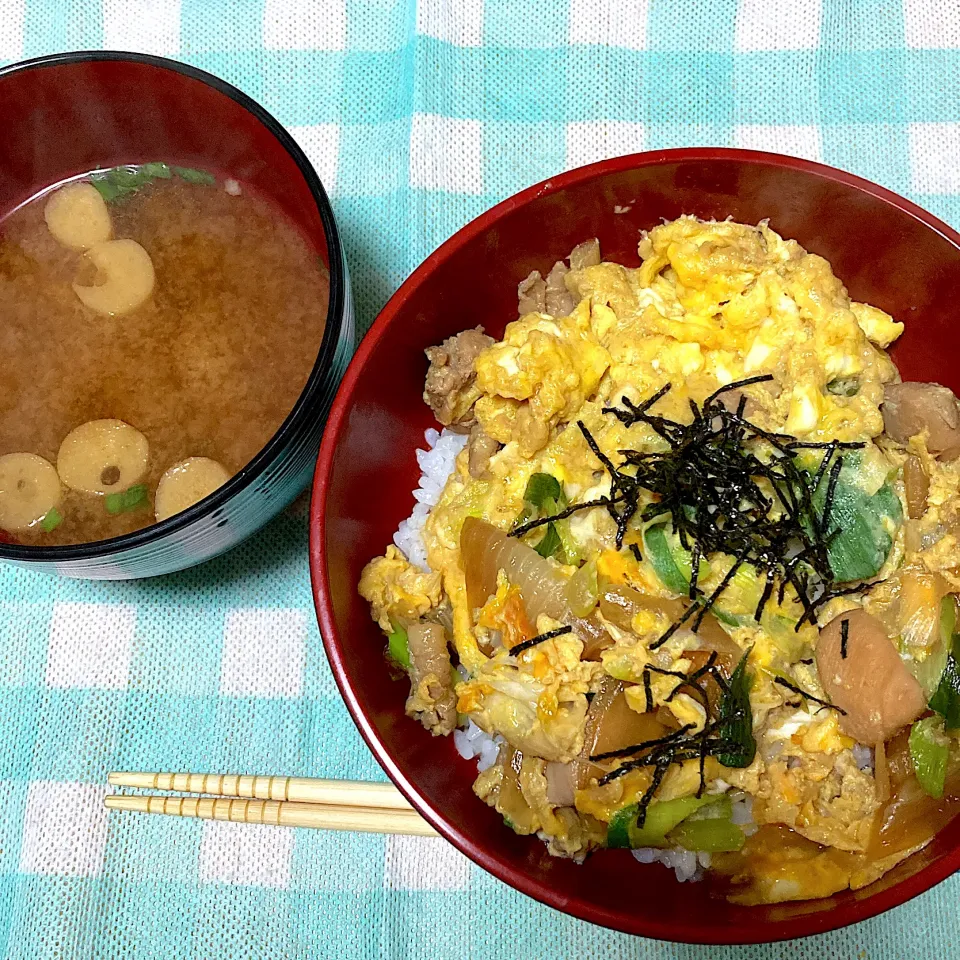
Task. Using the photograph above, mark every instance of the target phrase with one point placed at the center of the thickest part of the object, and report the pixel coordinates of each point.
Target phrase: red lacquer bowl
(886, 250)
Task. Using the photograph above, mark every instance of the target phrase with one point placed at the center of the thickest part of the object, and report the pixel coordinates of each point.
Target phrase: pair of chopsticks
(279, 801)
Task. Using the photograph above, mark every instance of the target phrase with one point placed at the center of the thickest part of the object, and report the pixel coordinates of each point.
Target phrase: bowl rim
(337, 421)
(304, 409)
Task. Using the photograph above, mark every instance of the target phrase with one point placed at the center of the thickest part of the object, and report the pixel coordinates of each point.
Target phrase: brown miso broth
(209, 365)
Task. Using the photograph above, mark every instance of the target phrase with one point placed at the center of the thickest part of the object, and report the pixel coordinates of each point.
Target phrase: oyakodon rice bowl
(697, 559)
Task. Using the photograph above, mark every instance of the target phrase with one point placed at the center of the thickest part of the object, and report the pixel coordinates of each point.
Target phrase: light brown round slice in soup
(103, 456)
(187, 483)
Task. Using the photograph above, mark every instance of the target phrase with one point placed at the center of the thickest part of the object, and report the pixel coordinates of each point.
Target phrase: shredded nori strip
(844, 637)
(647, 692)
(562, 515)
(533, 641)
(681, 745)
(793, 688)
(715, 489)
(646, 745)
(635, 550)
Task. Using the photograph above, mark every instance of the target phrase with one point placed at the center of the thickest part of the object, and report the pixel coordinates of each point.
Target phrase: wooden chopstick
(320, 816)
(300, 789)
(281, 801)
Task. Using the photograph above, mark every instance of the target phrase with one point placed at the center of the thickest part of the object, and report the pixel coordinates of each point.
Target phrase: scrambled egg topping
(712, 303)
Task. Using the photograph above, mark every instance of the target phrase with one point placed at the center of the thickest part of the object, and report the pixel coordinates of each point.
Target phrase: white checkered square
(142, 26)
(90, 645)
(446, 154)
(935, 157)
(245, 854)
(263, 653)
(11, 30)
(459, 22)
(424, 863)
(321, 143)
(609, 23)
(795, 141)
(600, 139)
(931, 24)
(305, 24)
(778, 25)
(64, 829)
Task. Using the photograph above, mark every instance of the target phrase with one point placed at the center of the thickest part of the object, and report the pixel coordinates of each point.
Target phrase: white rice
(471, 742)
(863, 757)
(436, 464)
(687, 865)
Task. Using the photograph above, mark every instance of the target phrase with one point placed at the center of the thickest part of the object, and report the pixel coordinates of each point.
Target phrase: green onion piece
(156, 170)
(528, 513)
(542, 488)
(859, 527)
(195, 176)
(948, 617)
(719, 808)
(120, 182)
(946, 699)
(582, 591)
(134, 496)
(715, 835)
(844, 387)
(550, 544)
(736, 718)
(661, 558)
(129, 499)
(397, 648)
(51, 521)
(662, 817)
(930, 752)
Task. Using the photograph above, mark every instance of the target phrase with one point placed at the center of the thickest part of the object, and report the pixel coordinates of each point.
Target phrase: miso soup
(157, 326)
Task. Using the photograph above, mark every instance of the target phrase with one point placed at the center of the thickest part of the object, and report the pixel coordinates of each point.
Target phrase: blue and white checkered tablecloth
(418, 116)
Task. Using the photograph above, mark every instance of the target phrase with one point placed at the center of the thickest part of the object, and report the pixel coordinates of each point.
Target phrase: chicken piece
(864, 676)
(586, 254)
(532, 294)
(559, 300)
(480, 449)
(450, 389)
(396, 590)
(910, 408)
(432, 700)
(518, 788)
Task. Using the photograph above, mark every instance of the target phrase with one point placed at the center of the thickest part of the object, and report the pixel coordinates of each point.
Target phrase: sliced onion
(485, 550)
(619, 726)
(911, 816)
(561, 783)
(619, 605)
(918, 608)
(916, 487)
(582, 591)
